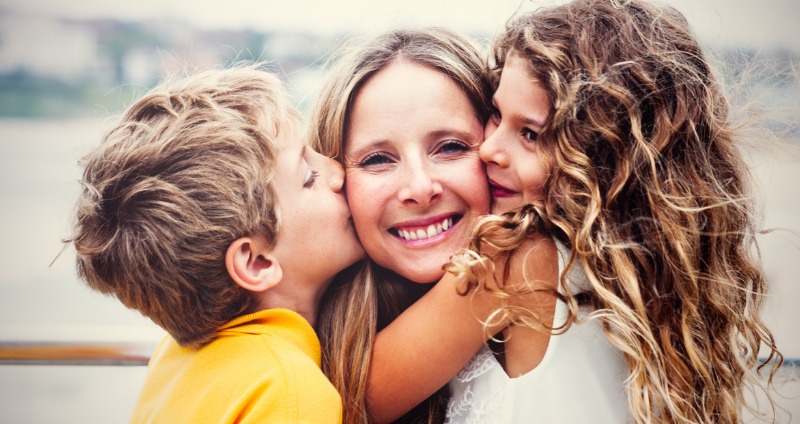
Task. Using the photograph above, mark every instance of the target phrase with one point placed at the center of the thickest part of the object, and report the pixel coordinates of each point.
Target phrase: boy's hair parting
(381, 295)
(185, 172)
(649, 189)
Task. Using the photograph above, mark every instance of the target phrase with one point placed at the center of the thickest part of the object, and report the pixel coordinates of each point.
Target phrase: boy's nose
(335, 175)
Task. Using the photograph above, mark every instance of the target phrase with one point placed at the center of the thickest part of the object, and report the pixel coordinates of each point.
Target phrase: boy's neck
(301, 298)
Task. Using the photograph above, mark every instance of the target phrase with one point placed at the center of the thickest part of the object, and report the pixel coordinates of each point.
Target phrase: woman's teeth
(431, 231)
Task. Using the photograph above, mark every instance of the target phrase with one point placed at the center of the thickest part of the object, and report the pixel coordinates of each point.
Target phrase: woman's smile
(414, 179)
(426, 231)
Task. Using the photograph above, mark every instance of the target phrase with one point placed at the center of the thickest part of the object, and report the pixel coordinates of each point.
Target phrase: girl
(612, 131)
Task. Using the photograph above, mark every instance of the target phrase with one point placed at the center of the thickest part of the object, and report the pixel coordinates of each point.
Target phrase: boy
(204, 210)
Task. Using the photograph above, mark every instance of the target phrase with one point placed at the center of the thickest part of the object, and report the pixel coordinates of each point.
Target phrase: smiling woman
(40, 301)
(414, 179)
(404, 112)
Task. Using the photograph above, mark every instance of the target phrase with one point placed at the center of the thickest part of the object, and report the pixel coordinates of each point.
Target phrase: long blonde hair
(353, 311)
(649, 190)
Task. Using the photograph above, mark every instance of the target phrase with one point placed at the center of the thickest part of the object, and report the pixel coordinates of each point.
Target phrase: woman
(404, 113)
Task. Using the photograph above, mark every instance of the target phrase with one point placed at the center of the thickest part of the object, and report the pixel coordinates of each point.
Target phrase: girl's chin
(501, 206)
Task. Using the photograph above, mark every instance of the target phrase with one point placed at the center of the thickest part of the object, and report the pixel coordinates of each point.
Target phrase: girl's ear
(251, 265)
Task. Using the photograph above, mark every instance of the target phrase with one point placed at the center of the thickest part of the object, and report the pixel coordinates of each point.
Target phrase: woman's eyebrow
(451, 133)
(369, 146)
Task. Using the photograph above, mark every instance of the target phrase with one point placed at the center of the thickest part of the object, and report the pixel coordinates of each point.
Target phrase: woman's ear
(251, 265)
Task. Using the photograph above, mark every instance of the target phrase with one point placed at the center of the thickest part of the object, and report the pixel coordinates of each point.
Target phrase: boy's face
(316, 238)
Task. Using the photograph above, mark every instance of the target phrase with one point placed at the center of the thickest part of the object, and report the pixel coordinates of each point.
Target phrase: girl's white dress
(580, 380)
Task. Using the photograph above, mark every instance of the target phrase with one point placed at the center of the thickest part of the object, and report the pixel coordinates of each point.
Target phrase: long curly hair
(649, 190)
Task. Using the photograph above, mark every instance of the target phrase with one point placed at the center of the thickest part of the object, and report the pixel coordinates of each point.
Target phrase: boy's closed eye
(311, 178)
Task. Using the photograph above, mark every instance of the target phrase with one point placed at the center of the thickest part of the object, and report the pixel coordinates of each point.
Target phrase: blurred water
(38, 186)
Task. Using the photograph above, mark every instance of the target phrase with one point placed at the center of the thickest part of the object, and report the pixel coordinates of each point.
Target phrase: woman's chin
(417, 277)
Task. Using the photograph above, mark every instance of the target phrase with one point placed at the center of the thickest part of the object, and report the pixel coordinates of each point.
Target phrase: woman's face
(512, 153)
(414, 180)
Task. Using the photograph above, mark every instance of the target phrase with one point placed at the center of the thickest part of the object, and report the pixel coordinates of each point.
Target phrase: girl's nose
(492, 149)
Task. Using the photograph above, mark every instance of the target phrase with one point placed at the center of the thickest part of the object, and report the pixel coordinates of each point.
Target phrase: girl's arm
(421, 350)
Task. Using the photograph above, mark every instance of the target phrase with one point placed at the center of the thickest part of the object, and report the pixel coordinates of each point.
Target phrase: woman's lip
(498, 190)
(424, 222)
(427, 234)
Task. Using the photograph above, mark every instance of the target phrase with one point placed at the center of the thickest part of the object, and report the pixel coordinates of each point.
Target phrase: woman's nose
(419, 185)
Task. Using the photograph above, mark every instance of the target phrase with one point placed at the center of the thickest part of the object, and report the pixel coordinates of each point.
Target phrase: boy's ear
(251, 265)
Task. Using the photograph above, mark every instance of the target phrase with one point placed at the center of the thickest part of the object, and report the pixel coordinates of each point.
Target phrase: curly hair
(185, 172)
(353, 312)
(649, 190)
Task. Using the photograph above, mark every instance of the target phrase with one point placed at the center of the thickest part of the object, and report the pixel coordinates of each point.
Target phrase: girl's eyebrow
(532, 122)
(526, 120)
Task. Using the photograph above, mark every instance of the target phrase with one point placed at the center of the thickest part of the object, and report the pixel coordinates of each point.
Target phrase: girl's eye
(529, 135)
(494, 115)
(454, 146)
(311, 179)
(375, 159)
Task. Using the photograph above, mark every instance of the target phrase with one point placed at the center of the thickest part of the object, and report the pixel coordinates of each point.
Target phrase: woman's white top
(579, 380)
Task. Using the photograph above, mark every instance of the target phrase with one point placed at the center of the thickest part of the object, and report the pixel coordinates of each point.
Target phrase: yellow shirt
(262, 368)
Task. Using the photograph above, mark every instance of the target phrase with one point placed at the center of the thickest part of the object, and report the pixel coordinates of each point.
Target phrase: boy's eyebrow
(301, 157)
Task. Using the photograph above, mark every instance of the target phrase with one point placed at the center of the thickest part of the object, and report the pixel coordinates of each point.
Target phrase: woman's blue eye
(312, 177)
(375, 159)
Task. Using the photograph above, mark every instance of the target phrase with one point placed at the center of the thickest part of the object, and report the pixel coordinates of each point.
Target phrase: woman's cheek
(474, 185)
(366, 195)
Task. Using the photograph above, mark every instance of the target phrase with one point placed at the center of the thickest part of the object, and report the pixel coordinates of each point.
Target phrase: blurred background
(68, 68)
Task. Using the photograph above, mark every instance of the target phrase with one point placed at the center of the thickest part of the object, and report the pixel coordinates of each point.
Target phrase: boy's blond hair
(185, 172)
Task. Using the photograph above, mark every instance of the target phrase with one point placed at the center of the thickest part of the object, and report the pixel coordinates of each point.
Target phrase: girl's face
(512, 154)
(414, 180)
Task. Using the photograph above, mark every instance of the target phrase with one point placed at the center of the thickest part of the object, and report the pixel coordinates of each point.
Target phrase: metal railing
(75, 353)
(137, 354)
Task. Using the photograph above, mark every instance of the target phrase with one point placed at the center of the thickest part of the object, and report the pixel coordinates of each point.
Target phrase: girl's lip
(499, 190)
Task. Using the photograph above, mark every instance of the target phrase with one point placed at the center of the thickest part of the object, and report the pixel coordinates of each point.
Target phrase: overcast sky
(748, 22)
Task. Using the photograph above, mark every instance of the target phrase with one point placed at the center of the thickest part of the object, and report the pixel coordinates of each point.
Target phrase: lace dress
(580, 380)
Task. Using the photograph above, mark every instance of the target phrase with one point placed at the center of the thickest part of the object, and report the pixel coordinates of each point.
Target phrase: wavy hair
(185, 172)
(650, 191)
(353, 311)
